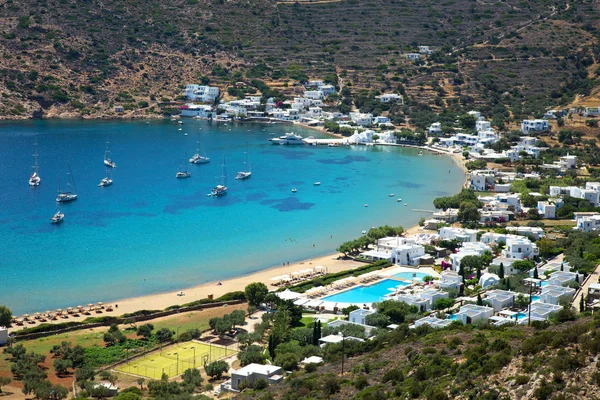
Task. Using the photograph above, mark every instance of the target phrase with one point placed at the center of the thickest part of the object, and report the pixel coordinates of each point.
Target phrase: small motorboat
(364, 232)
(294, 190)
(57, 218)
(105, 182)
(180, 129)
(420, 153)
(405, 204)
(399, 200)
(180, 122)
(391, 195)
(317, 183)
(366, 205)
(182, 175)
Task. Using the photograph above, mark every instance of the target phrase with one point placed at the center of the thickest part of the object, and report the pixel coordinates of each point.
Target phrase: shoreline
(161, 301)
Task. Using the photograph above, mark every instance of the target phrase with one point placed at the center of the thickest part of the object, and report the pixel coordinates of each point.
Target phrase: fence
(155, 365)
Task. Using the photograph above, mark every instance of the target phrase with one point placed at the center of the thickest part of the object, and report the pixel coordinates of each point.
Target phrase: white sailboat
(221, 188)
(34, 179)
(247, 171)
(107, 161)
(106, 181)
(197, 158)
(64, 197)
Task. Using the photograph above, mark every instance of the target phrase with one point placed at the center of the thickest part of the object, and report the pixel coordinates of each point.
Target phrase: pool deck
(387, 273)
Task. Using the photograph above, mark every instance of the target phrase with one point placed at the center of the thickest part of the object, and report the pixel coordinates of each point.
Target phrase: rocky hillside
(558, 362)
(81, 58)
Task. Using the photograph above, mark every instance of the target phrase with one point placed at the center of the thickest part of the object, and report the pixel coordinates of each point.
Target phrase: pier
(327, 142)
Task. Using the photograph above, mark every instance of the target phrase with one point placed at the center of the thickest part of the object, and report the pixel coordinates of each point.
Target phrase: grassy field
(175, 359)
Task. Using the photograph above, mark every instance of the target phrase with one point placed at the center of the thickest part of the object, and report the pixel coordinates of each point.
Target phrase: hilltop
(70, 58)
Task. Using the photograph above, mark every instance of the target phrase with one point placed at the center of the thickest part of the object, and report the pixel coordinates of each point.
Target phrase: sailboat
(34, 179)
(67, 196)
(247, 172)
(221, 189)
(107, 161)
(182, 173)
(57, 218)
(106, 181)
(197, 158)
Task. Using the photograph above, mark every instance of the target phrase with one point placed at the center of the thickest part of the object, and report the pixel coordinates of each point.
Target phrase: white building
(461, 234)
(359, 316)
(435, 129)
(534, 125)
(591, 111)
(562, 278)
(488, 280)
(389, 98)
(547, 209)
(197, 110)
(472, 313)
(499, 299)
(589, 193)
(332, 339)
(423, 300)
(532, 232)
(314, 94)
(253, 372)
(450, 280)
(381, 120)
(448, 215)
(425, 50)
(475, 114)
(361, 119)
(520, 248)
(433, 322)
(3, 335)
(468, 249)
(541, 310)
(481, 180)
(327, 90)
(205, 94)
(588, 223)
(552, 294)
(413, 56)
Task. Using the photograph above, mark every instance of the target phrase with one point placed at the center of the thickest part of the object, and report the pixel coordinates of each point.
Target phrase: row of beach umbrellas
(59, 312)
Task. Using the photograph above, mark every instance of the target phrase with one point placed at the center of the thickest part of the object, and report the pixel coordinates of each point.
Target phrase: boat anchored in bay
(57, 218)
(67, 196)
(197, 158)
(34, 179)
(107, 161)
(288, 139)
(221, 188)
(247, 171)
(106, 181)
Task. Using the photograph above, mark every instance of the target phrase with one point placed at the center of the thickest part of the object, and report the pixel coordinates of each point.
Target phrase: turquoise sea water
(366, 294)
(150, 232)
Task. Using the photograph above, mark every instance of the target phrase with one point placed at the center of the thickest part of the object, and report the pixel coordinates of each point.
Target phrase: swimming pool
(534, 298)
(411, 275)
(521, 316)
(366, 294)
(451, 317)
(543, 283)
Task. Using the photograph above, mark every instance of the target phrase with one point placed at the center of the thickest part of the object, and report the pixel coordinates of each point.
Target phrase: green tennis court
(173, 360)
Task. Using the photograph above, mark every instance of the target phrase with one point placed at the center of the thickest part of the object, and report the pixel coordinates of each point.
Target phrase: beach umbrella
(276, 278)
(100, 304)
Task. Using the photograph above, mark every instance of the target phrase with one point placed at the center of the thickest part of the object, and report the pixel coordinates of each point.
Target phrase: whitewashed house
(435, 129)
(197, 110)
(433, 322)
(361, 119)
(541, 310)
(520, 248)
(389, 98)
(413, 56)
(204, 94)
(588, 223)
(499, 299)
(534, 125)
(327, 89)
(488, 279)
(425, 50)
(359, 316)
(562, 278)
(314, 94)
(552, 294)
(547, 209)
(450, 280)
(253, 372)
(468, 249)
(423, 300)
(471, 313)
(532, 232)
(461, 234)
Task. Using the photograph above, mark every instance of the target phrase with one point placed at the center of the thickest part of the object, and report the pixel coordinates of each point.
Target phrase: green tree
(443, 303)
(128, 396)
(535, 273)
(501, 271)
(479, 300)
(140, 381)
(216, 369)
(164, 335)
(377, 320)
(469, 264)
(255, 293)
(523, 265)
(237, 317)
(62, 366)
(467, 212)
(192, 379)
(145, 330)
(5, 316)
(223, 326)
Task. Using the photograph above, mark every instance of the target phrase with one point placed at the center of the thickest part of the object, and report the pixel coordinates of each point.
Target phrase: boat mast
(35, 155)
(224, 173)
(71, 176)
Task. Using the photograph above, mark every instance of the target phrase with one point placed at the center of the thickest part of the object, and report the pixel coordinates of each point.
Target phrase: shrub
(260, 384)
(361, 382)
(394, 375)
(331, 385)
